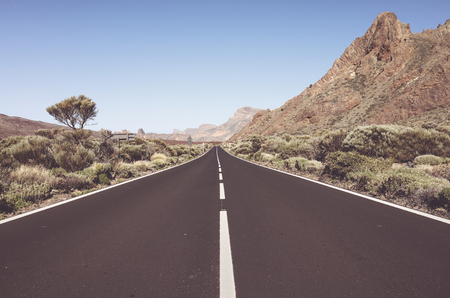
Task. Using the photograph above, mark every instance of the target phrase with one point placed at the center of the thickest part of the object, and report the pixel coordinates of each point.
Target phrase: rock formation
(388, 75)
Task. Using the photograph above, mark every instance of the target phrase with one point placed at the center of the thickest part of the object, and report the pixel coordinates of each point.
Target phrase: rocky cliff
(388, 75)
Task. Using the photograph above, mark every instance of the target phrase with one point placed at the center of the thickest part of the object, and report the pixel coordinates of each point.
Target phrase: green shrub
(74, 159)
(398, 142)
(443, 199)
(404, 182)
(255, 141)
(103, 179)
(106, 152)
(72, 182)
(181, 149)
(58, 172)
(428, 160)
(34, 150)
(423, 197)
(102, 168)
(21, 195)
(243, 148)
(132, 153)
(47, 133)
(123, 170)
(330, 142)
(79, 137)
(340, 164)
(163, 147)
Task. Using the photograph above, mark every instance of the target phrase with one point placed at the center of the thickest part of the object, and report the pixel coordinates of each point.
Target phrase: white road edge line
(94, 192)
(227, 286)
(434, 217)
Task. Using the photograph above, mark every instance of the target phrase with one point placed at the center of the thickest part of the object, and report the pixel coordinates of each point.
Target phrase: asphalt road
(159, 237)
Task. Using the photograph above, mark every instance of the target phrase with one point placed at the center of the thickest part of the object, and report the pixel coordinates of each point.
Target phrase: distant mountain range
(389, 75)
(16, 126)
(13, 126)
(210, 132)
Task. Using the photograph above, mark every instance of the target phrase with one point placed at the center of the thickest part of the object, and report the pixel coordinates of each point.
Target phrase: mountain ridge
(386, 76)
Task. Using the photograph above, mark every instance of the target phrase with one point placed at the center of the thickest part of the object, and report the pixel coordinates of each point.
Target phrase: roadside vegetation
(58, 164)
(55, 165)
(403, 165)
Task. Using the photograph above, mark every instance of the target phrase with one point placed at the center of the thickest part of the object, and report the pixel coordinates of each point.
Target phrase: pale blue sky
(160, 65)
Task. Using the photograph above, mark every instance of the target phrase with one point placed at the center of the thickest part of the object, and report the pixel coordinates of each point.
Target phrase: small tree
(74, 112)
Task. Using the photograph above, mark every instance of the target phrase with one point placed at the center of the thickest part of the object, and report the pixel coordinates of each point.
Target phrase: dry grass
(159, 156)
(26, 174)
(143, 165)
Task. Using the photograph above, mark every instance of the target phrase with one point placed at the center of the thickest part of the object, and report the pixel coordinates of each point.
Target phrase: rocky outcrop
(388, 75)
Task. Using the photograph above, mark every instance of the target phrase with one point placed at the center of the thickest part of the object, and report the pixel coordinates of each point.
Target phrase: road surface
(222, 227)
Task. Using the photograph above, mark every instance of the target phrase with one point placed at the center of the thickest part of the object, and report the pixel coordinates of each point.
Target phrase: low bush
(429, 160)
(20, 195)
(131, 153)
(103, 179)
(330, 142)
(441, 171)
(340, 164)
(398, 142)
(34, 150)
(243, 148)
(72, 182)
(424, 197)
(164, 148)
(74, 158)
(181, 149)
(443, 199)
(123, 170)
(404, 182)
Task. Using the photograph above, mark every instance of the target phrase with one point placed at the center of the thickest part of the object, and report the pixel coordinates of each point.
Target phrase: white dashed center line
(222, 191)
(227, 286)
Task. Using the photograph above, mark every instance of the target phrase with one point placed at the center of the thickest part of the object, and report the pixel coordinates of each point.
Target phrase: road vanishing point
(219, 226)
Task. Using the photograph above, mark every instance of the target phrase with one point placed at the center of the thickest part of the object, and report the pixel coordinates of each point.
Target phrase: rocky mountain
(16, 126)
(389, 75)
(211, 132)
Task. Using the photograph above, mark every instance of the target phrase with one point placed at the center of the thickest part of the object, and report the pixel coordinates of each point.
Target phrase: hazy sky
(160, 65)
